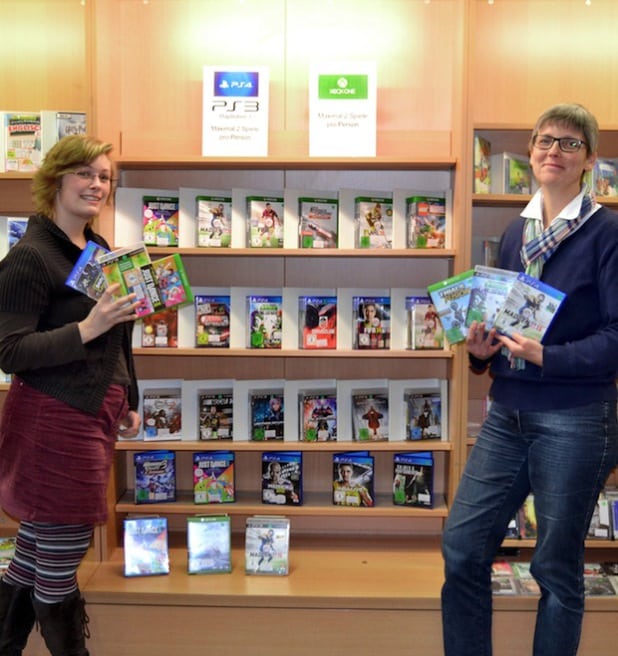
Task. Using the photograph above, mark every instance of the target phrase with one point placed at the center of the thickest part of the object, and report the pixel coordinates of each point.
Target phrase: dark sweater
(46, 350)
(580, 355)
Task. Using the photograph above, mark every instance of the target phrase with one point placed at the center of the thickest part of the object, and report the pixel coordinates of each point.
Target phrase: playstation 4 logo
(239, 84)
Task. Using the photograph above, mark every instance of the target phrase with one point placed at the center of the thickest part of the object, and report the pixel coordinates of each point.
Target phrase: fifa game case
(265, 221)
(155, 476)
(372, 321)
(282, 478)
(212, 321)
(214, 221)
(317, 322)
(374, 222)
(267, 545)
(424, 327)
(213, 477)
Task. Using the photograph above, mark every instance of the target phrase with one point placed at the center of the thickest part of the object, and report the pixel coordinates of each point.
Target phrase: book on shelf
(413, 479)
(212, 321)
(374, 221)
(215, 414)
(213, 477)
(20, 141)
(510, 174)
(490, 288)
(214, 221)
(264, 221)
(162, 414)
(370, 416)
(605, 177)
(424, 415)
(372, 322)
(209, 544)
(353, 479)
(317, 322)
(267, 414)
(450, 298)
(146, 548)
(423, 324)
(160, 330)
(155, 476)
(318, 222)
(265, 321)
(426, 222)
(87, 276)
(597, 583)
(529, 308)
(318, 417)
(600, 526)
(267, 545)
(7, 552)
(160, 220)
(482, 165)
(282, 478)
(58, 124)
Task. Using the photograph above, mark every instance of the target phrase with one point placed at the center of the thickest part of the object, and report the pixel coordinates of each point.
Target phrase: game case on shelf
(424, 327)
(212, 321)
(317, 322)
(162, 414)
(87, 276)
(20, 141)
(353, 478)
(267, 414)
(529, 308)
(374, 221)
(209, 544)
(426, 222)
(16, 228)
(282, 478)
(213, 477)
(265, 221)
(155, 476)
(370, 416)
(7, 551)
(58, 124)
(267, 545)
(318, 222)
(510, 174)
(160, 330)
(490, 288)
(265, 321)
(318, 417)
(160, 220)
(450, 298)
(215, 415)
(424, 415)
(146, 549)
(372, 322)
(413, 479)
(214, 221)
(482, 165)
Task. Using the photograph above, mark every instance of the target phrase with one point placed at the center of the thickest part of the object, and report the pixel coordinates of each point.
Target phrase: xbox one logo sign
(343, 87)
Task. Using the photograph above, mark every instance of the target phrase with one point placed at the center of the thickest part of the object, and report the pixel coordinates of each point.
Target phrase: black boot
(16, 618)
(64, 625)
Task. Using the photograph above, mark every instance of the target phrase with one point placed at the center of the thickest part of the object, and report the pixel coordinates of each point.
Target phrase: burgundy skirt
(55, 460)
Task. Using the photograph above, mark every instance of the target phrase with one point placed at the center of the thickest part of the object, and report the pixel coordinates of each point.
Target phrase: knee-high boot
(64, 625)
(16, 618)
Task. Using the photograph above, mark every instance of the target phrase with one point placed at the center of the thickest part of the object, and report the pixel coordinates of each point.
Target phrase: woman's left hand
(523, 347)
(129, 425)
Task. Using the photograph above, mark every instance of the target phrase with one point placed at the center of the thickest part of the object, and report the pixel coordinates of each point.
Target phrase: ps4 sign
(235, 112)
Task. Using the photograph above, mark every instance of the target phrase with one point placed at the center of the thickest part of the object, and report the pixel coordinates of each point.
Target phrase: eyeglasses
(91, 176)
(567, 144)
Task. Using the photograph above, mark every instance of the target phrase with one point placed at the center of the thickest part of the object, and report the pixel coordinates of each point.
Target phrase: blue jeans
(564, 458)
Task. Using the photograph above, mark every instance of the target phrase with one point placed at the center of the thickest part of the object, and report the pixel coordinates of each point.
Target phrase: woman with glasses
(73, 391)
(551, 431)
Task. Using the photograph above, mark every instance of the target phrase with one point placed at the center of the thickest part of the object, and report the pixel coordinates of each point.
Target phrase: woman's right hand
(108, 312)
(481, 344)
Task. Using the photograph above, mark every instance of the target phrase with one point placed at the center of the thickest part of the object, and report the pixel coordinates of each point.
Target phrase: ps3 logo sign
(247, 106)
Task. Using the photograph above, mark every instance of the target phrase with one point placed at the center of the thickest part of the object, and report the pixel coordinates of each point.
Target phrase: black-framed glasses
(566, 144)
(91, 176)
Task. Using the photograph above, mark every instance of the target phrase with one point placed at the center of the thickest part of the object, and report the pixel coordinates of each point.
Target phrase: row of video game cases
(316, 410)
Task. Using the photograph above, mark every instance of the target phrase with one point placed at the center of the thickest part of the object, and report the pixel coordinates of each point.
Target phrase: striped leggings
(47, 557)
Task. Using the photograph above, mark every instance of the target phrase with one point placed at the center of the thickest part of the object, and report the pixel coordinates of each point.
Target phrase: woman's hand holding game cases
(108, 312)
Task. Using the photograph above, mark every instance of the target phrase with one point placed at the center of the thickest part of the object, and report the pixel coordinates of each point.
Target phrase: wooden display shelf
(294, 353)
(441, 253)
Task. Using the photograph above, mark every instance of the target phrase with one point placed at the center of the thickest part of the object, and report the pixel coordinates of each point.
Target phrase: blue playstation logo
(238, 84)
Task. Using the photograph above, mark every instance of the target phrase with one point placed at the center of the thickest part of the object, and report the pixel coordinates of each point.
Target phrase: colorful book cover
(265, 321)
(451, 297)
(22, 141)
(172, 280)
(266, 416)
(370, 416)
(162, 410)
(267, 545)
(424, 327)
(160, 330)
(215, 415)
(160, 220)
(372, 322)
(353, 476)
(212, 321)
(214, 221)
(424, 415)
(146, 549)
(413, 479)
(87, 275)
(490, 288)
(155, 476)
(426, 222)
(374, 222)
(209, 544)
(529, 308)
(282, 478)
(482, 165)
(318, 417)
(318, 222)
(317, 322)
(265, 221)
(213, 477)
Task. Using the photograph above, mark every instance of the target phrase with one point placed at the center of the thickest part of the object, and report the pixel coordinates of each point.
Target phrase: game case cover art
(146, 550)
(426, 222)
(372, 322)
(267, 545)
(318, 417)
(212, 321)
(318, 222)
(155, 476)
(318, 322)
(160, 330)
(451, 297)
(282, 478)
(265, 321)
(86, 276)
(215, 415)
(370, 416)
(213, 477)
(424, 327)
(413, 479)
(172, 281)
(374, 222)
(353, 475)
(16, 226)
(214, 221)
(267, 414)
(265, 221)
(162, 414)
(424, 415)
(490, 288)
(160, 220)
(209, 544)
